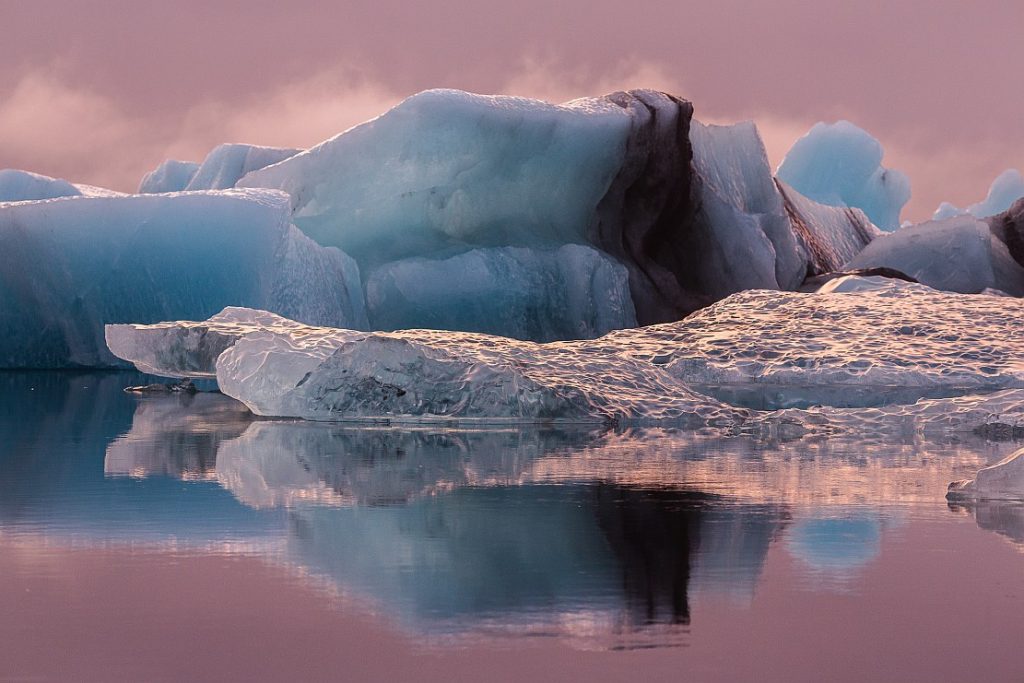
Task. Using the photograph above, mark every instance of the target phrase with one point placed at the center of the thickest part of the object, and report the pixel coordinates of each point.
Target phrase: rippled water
(169, 537)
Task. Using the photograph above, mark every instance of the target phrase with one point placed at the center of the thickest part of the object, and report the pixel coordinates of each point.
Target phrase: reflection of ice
(1004, 517)
(836, 545)
(176, 435)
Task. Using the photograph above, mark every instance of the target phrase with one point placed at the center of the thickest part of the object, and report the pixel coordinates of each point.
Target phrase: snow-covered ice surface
(840, 164)
(1007, 188)
(874, 344)
(73, 264)
(25, 186)
(959, 254)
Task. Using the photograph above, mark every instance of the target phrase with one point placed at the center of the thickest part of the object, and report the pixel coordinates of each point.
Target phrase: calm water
(176, 537)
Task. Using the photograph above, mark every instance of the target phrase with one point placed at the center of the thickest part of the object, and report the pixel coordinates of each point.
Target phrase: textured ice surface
(170, 176)
(1003, 480)
(573, 292)
(71, 265)
(840, 164)
(1007, 188)
(894, 342)
(226, 164)
(958, 254)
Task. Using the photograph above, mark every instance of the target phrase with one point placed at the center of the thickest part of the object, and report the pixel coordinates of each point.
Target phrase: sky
(101, 91)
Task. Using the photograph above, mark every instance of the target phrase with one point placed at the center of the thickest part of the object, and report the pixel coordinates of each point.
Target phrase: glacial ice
(170, 176)
(840, 164)
(20, 186)
(1007, 188)
(573, 292)
(758, 348)
(101, 260)
(1002, 481)
(25, 186)
(691, 211)
(958, 254)
(226, 164)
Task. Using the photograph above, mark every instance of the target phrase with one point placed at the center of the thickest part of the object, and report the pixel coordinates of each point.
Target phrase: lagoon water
(173, 537)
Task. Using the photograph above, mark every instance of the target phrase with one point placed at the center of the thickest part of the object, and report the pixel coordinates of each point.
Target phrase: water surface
(175, 537)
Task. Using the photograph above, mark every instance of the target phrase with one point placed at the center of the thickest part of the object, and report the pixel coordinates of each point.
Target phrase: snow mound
(170, 176)
(1007, 188)
(840, 164)
(74, 264)
(958, 254)
(226, 164)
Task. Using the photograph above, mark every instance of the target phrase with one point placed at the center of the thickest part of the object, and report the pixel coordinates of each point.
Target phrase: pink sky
(101, 91)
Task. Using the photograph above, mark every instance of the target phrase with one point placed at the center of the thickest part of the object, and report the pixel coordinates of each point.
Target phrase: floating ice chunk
(895, 343)
(170, 176)
(1007, 188)
(19, 186)
(958, 254)
(1003, 480)
(227, 163)
(73, 264)
(840, 164)
(573, 292)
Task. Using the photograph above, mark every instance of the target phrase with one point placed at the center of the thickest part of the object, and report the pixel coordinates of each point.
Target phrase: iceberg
(170, 176)
(20, 186)
(1002, 481)
(25, 186)
(759, 349)
(840, 164)
(226, 164)
(73, 264)
(1007, 188)
(691, 211)
(573, 292)
(959, 254)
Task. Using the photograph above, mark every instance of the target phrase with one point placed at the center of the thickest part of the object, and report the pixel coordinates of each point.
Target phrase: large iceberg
(840, 164)
(691, 211)
(1007, 188)
(71, 265)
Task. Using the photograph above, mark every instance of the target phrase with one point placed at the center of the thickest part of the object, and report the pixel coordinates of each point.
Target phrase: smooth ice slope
(228, 163)
(958, 254)
(446, 168)
(840, 164)
(573, 292)
(71, 265)
(20, 186)
(170, 176)
(1001, 481)
(1007, 188)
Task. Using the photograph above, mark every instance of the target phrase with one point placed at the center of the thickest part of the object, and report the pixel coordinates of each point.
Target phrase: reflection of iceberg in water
(1004, 517)
(606, 533)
